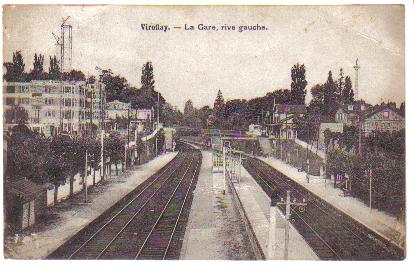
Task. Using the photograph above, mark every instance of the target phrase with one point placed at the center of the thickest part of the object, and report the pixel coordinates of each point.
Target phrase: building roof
(24, 188)
(382, 108)
(285, 108)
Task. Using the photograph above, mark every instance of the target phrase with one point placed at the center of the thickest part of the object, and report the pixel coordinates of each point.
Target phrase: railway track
(332, 234)
(149, 223)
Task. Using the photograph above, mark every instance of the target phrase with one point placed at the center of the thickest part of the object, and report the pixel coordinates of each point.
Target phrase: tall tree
(37, 72)
(317, 103)
(402, 108)
(219, 110)
(147, 79)
(54, 69)
(340, 85)
(190, 115)
(329, 99)
(298, 84)
(15, 70)
(348, 93)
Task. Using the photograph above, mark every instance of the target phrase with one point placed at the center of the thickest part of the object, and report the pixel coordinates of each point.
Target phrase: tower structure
(66, 45)
(356, 68)
(64, 42)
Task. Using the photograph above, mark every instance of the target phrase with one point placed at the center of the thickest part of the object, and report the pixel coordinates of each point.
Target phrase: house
(333, 127)
(350, 114)
(282, 123)
(117, 109)
(25, 203)
(385, 118)
(142, 117)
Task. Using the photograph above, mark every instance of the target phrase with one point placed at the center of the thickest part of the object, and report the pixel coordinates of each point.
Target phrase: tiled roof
(378, 109)
(23, 187)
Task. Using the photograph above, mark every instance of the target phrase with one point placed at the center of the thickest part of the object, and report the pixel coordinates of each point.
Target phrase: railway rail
(149, 223)
(332, 234)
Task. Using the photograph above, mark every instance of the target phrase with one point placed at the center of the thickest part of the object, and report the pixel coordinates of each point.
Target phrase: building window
(9, 101)
(10, 89)
(386, 115)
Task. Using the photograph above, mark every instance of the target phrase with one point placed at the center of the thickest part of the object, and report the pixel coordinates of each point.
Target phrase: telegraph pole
(85, 178)
(158, 108)
(288, 204)
(102, 155)
(125, 156)
(371, 181)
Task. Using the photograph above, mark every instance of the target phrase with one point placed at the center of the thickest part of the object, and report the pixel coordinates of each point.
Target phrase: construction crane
(65, 44)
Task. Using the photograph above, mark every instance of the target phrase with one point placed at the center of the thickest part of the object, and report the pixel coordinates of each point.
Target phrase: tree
(114, 148)
(147, 79)
(402, 108)
(348, 93)
(115, 86)
(67, 152)
(37, 72)
(91, 80)
(340, 85)
(73, 75)
(171, 115)
(15, 70)
(16, 115)
(219, 108)
(54, 69)
(235, 114)
(298, 85)
(317, 102)
(205, 115)
(329, 96)
(189, 113)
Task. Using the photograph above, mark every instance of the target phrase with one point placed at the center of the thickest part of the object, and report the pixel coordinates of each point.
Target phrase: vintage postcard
(204, 132)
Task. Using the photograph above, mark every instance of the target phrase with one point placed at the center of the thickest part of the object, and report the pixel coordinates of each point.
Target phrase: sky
(196, 64)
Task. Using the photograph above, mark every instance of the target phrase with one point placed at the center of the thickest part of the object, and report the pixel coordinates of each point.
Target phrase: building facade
(351, 114)
(52, 106)
(95, 112)
(283, 120)
(384, 119)
(117, 109)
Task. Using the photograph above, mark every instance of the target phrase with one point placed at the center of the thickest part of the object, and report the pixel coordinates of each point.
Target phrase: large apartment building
(55, 106)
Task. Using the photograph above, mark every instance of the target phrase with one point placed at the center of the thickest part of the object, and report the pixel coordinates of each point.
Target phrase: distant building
(333, 127)
(282, 123)
(383, 119)
(142, 118)
(117, 109)
(349, 114)
(95, 104)
(254, 130)
(52, 106)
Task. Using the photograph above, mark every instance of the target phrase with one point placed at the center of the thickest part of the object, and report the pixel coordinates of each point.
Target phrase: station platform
(256, 204)
(214, 230)
(380, 222)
